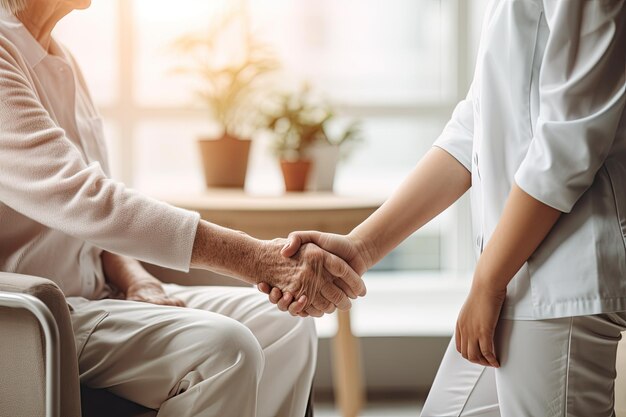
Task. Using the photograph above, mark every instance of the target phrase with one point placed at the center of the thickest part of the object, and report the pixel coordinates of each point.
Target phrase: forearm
(524, 223)
(436, 182)
(122, 272)
(228, 252)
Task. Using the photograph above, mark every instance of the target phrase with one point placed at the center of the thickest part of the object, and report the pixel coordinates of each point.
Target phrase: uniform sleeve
(44, 177)
(458, 134)
(581, 99)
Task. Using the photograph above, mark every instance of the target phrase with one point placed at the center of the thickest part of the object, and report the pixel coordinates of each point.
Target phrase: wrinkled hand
(151, 291)
(476, 324)
(344, 247)
(316, 279)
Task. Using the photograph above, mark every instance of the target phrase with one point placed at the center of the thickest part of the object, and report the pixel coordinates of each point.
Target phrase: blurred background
(397, 66)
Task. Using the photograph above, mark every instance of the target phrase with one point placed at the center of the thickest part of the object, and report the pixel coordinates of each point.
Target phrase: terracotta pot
(225, 161)
(295, 174)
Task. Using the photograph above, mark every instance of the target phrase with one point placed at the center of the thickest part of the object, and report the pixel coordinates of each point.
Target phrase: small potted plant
(231, 65)
(301, 141)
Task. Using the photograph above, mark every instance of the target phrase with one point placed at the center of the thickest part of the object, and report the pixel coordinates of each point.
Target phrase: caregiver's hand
(313, 276)
(476, 324)
(348, 248)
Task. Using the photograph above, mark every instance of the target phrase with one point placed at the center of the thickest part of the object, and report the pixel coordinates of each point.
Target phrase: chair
(38, 357)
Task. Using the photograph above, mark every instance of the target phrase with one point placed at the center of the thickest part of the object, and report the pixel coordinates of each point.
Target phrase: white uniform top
(58, 207)
(546, 111)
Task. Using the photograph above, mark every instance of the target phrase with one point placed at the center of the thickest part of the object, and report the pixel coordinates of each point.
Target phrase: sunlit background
(399, 66)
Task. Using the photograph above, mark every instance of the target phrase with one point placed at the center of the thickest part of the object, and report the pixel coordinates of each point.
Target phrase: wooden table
(270, 217)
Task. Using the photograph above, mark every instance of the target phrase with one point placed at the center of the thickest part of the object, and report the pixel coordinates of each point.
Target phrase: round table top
(227, 199)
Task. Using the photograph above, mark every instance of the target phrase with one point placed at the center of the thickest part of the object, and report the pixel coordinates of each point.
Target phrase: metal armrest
(51, 335)
(46, 292)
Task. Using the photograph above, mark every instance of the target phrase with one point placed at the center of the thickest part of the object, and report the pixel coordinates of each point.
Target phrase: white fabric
(231, 354)
(549, 368)
(58, 208)
(546, 110)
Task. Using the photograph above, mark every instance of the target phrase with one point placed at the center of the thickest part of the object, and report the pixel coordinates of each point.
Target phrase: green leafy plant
(298, 121)
(232, 65)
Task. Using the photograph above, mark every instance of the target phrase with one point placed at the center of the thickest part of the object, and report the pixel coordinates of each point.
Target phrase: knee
(239, 346)
(228, 347)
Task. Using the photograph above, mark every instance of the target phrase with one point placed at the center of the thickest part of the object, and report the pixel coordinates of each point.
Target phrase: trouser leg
(289, 344)
(549, 368)
(194, 362)
(461, 388)
(560, 367)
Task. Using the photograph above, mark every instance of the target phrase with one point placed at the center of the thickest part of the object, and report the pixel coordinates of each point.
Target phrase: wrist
(485, 280)
(365, 247)
(268, 256)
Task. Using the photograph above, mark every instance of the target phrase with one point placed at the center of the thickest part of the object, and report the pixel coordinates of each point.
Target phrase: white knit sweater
(58, 206)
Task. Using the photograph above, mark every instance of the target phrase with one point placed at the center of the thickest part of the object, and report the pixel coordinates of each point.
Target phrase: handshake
(313, 273)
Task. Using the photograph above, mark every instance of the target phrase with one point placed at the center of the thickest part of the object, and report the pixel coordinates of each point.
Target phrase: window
(400, 66)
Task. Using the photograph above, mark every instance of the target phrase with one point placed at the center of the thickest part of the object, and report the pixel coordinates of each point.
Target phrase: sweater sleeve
(581, 99)
(44, 177)
(458, 135)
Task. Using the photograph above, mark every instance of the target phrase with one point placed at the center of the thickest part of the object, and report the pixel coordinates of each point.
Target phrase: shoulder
(9, 52)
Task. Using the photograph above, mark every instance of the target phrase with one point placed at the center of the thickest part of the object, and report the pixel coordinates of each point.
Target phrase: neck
(40, 18)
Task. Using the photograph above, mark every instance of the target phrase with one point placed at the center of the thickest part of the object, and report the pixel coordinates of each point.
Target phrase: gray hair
(13, 6)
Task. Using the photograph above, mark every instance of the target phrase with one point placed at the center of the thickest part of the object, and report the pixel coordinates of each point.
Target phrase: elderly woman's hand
(312, 276)
(151, 291)
(349, 248)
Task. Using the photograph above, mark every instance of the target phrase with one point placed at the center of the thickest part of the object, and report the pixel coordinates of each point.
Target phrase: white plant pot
(324, 158)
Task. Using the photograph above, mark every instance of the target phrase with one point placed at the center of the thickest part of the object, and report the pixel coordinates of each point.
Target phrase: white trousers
(229, 354)
(548, 368)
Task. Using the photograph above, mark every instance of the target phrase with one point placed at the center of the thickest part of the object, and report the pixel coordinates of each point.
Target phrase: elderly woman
(229, 353)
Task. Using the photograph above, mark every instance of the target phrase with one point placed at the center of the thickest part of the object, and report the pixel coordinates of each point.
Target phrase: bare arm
(437, 181)
(524, 223)
(312, 272)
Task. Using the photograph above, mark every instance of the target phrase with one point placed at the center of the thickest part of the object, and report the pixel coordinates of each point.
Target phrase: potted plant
(308, 154)
(231, 65)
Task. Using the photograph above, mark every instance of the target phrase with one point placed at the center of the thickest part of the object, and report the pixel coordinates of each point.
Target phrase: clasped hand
(330, 274)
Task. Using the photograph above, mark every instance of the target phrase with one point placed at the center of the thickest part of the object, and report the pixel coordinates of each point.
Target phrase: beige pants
(230, 354)
(549, 368)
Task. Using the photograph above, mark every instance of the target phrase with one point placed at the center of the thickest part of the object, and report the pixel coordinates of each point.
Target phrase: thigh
(247, 306)
(461, 388)
(560, 367)
(141, 351)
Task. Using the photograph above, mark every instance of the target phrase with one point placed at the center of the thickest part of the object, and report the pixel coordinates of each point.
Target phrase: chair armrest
(51, 296)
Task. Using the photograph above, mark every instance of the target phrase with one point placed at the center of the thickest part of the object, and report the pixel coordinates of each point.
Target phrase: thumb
(294, 242)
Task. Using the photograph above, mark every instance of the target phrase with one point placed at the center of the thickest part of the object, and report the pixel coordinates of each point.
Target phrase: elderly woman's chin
(78, 4)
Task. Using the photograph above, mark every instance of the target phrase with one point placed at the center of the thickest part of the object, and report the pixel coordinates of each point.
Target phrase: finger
(323, 305)
(298, 306)
(264, 287)
(275, 295)
(283, 303)
(474, 354)
(312, 311)
(488, 351)
(457, 338)
(463, 345)
(177, 302)
(340, 269)
(337, 297)
(344, 287)
(295, 240)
